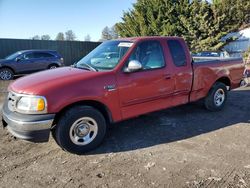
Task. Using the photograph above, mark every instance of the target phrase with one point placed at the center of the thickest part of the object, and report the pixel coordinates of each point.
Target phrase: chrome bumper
(35, 128)
(21, 125)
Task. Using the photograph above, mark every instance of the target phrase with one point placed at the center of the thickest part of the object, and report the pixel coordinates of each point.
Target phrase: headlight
(32, 104)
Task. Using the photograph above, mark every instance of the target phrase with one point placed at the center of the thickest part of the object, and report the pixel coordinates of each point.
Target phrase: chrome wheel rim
(219, 97)
(83, 131)
(5, 75)
(53, 67)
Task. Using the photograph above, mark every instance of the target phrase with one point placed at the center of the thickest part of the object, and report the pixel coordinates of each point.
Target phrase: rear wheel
(6, 74)
(53, 66)
(80, 129)
(216, 97)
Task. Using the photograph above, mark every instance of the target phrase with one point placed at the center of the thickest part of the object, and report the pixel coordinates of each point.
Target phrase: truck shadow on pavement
(175, 124)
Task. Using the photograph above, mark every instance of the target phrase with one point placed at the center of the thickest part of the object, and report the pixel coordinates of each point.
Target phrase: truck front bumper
(35, 128)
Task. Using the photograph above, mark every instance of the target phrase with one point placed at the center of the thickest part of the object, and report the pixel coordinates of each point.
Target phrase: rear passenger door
(182, 73)
(35, 61)
(42, 60)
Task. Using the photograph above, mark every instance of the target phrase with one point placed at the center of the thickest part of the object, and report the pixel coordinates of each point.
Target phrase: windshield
(106, 56)
(13, 56)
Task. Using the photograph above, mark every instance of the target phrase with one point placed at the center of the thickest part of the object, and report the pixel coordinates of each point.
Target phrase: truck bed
(215, 59)
(206, 73)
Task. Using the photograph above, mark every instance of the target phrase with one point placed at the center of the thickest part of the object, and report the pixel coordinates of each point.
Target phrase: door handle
(167, 76)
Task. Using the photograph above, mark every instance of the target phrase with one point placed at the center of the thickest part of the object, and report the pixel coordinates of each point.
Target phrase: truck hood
(45, 81)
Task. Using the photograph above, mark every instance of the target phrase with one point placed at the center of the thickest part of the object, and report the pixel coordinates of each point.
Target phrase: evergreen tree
(202, 24)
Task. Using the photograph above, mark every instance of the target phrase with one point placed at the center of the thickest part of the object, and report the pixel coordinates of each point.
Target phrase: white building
(238, 47)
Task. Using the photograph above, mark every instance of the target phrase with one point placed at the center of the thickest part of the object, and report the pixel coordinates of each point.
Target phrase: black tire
(6, 74)
(52, 66)
(67, 127)
(210, 101)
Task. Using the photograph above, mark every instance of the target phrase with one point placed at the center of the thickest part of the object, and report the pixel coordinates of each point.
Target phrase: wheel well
(8, 68)
(225, 80)
(97, 105)
(53, 64)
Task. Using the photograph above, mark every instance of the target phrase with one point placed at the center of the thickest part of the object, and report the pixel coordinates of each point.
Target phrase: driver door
(148, 89)
(24, 64)
(31, 62)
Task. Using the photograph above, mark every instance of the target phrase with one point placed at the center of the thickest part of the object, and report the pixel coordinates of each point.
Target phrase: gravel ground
(186, 146)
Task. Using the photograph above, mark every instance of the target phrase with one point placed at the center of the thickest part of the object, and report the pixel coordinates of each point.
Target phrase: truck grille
(12, 100)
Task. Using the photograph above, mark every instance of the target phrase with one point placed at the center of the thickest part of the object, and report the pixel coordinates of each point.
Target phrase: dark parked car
(211, 54)
(28, 61)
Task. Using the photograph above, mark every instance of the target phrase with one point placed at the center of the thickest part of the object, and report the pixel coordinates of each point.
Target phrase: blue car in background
(210, 55)
(29, 61)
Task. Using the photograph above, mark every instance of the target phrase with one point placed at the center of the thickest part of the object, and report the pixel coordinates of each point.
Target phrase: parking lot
(186, 146)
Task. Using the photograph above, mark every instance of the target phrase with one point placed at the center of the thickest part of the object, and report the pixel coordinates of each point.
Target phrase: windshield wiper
(85, 66)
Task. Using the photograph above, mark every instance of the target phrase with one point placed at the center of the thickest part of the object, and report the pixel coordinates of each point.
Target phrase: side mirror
(133, 66)
(74, 65)
(18, 59)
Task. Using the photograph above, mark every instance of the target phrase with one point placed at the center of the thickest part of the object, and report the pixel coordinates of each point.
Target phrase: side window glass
(149, 54)
(46, 55)
(177, 53)
(28, 56)
(38, 55)
(21, 57)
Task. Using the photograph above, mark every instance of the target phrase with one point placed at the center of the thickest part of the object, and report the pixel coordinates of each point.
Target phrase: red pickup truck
(120, 79)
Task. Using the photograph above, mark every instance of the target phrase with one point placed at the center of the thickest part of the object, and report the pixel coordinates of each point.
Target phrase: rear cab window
(177, 52)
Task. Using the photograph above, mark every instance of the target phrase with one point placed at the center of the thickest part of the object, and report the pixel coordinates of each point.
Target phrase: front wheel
(80, 129)
(216, 97)
(6, 74)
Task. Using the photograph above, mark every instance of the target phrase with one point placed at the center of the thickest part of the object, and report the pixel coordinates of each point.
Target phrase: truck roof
(148, 38)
